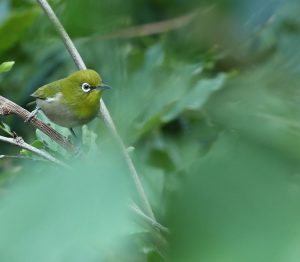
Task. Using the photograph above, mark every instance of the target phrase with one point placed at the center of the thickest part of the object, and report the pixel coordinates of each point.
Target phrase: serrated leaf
(6, 66)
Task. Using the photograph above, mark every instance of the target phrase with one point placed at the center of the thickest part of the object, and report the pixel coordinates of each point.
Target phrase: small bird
(72, 101)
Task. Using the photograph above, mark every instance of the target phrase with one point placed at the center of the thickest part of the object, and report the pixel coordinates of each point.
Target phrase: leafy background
(211, 108)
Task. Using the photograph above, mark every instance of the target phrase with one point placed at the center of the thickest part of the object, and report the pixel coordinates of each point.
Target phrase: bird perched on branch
(71, 101)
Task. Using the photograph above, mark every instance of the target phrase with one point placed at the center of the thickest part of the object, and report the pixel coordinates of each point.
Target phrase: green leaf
(25, 152)
(196, 97)
(5, 128)
(48, 142)
(15, 26)
(87, 206)
(239, 188)
(37, 144)
(6, 66)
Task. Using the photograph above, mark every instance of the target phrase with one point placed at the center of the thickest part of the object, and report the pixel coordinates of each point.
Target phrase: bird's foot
(32, 114)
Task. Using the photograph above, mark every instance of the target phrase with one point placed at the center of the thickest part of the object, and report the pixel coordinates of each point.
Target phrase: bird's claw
(32, 115)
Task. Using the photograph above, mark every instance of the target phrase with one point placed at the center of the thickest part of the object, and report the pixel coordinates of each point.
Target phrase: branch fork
(8, 107)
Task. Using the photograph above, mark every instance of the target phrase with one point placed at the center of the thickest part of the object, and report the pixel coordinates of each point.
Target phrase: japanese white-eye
(71, 101)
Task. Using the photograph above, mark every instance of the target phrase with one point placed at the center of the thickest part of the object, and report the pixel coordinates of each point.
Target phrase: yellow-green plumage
(67, 103)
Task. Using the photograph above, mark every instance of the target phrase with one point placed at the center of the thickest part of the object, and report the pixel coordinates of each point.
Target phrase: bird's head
(86, 83)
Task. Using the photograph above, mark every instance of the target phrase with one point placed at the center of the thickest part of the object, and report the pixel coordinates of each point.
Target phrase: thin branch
(152, 28)
(8, 107)
(103, 109)
(23, 157)
(18, 141)
(109, 122)
(139, 212)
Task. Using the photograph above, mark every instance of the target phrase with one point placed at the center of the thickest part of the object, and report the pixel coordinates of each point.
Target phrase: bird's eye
(86, 87)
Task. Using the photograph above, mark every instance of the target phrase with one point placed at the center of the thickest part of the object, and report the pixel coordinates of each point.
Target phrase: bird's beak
(102, 87)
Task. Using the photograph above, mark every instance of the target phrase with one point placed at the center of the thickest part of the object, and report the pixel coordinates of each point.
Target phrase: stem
(103, 109)
(18, 141)
(23, 157)
(109, 122)
(152, 28)
(139, 212)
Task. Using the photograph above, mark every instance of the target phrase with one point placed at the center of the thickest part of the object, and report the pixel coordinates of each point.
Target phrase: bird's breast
(62, 114)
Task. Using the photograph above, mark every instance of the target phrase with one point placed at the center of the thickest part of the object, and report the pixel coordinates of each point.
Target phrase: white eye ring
(86, 87)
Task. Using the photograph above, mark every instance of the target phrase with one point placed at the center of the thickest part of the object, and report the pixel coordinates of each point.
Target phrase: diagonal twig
(152, 28)
(148, 219)
(18, 141)
(23, 157)
(103, 109)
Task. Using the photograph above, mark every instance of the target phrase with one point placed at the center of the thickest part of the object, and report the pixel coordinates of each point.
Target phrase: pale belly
(60, 114)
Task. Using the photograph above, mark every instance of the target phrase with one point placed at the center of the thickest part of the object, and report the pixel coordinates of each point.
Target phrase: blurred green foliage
(211, 107)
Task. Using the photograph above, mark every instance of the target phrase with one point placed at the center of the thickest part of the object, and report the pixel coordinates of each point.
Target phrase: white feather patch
(54, 98)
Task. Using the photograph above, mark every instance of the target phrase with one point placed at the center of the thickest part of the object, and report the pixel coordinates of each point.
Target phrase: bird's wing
(47, 91)
(31, 103)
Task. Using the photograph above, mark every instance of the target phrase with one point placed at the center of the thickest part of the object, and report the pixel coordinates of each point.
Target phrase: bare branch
(8, 107)
(109, 122)
(139, 212)
(103, 109)
(152, 28)
(18, 141)
(23, 157)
